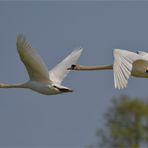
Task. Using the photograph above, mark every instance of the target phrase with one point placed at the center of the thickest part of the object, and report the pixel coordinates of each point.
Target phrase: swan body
(126, 64)
(41, 80)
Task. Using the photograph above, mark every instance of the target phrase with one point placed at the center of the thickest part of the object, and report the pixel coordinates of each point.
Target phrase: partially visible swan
(126, 63)
(41, 80)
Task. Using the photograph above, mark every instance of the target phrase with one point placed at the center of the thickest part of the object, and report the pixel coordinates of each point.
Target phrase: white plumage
(42, 80)
(126, 64)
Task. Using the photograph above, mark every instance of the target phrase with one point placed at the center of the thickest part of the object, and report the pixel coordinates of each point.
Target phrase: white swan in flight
(41, 80)
(126, 63)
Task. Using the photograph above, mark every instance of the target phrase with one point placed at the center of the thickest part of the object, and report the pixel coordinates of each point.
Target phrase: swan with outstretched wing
(126, 64)
(42, 80)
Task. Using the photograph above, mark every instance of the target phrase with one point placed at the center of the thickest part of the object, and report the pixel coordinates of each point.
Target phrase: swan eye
(146, 71)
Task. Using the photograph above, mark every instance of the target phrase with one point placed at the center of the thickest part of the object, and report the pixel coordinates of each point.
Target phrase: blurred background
(55, 28)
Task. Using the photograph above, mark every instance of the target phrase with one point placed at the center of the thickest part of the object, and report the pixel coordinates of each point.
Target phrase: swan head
(74, 67)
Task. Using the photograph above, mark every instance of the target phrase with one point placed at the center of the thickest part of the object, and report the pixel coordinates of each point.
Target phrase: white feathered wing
(34, 64)
(59, 72)
(123, 64)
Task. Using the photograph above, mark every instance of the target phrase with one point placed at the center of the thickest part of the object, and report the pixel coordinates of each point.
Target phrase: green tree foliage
(126, 124)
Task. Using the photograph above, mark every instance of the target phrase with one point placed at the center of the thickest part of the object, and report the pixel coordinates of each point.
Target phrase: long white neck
(19, 85)
(98, 67)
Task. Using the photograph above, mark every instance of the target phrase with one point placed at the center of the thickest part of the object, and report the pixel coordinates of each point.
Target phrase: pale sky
(55, 28)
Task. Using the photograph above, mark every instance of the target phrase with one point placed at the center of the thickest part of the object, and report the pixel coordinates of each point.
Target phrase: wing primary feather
(59, 72)
(34, 64)
(122, 67)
